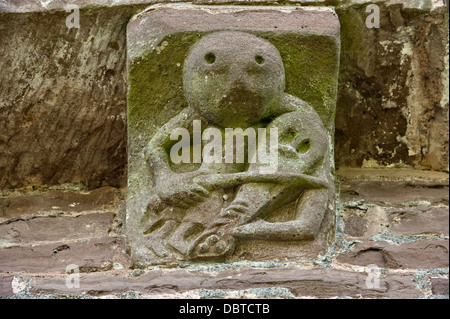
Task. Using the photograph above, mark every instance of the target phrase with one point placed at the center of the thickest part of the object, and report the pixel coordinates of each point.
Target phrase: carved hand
(180, 190)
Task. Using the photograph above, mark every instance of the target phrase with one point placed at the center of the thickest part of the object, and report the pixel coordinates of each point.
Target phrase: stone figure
(236, 80)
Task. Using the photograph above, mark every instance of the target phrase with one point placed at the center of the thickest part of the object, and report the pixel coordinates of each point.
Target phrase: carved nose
(238, 77)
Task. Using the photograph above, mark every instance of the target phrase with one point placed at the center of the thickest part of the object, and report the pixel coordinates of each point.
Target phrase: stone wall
(392, 225)
(63, 161)
(63, 91)
(393, 81)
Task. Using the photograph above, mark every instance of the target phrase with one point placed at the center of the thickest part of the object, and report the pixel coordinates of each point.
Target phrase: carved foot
(155, 240)
(212, 245)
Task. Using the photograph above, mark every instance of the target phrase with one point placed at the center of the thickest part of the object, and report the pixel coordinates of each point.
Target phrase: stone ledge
(424, 254)
(142, 37)
(95, 254)
(54, 200)
(402, 221)
(20, 6)
(348, 174)
(292, 282)
(35, 230)
(395, 194)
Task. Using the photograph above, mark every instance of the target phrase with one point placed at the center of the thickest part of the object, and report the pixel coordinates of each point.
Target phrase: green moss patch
(155, 82)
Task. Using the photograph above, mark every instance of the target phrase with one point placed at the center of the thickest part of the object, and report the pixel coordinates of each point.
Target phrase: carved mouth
(242, 101)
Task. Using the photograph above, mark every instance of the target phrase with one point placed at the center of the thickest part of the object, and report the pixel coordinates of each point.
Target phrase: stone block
(64, 102)
(6, 289)
(95, 254)
(298, 282)
(397, 193)
(386, 204)
(439, 286)
(365, 223)
(230, 67)
(424, 254)
(33, 230)
(419, 220)
(383, 73)
(57, 201)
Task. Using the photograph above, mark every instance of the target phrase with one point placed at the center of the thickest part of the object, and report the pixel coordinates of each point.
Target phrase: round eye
(259, 59)
(304, 146)
(210, 58)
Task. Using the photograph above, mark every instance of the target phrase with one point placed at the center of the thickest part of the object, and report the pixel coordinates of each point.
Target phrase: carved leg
(253, 200)
(310, 212)
(159, 222)
(156, 240)
(182, 238)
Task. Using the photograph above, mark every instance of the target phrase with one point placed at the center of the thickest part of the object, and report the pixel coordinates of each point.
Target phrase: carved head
(233, 79)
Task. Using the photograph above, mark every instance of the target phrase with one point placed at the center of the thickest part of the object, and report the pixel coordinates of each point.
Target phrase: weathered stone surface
(38, 144)
(320, 283)
(439, 286)
(391, 193)
(419, 220)
(393, 80)
(365, 223)
(31, 5)
(229, 68)
(34, 6)
(58, 200)
(80, 136)
(355, 225)
(63, 104)
(6, 289)
(95, 254)
(416, 206)
(424, 254)
(393, 175)
(44, 229)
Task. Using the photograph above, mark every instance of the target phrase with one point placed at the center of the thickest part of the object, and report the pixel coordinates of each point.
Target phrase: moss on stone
(310, 63)
(155, 79)
(155, 84)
